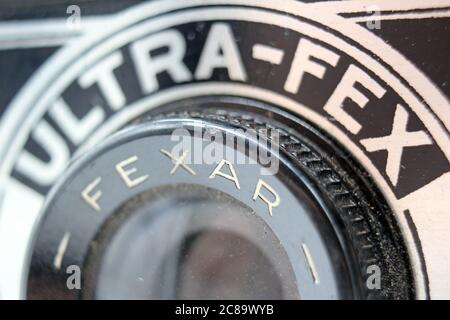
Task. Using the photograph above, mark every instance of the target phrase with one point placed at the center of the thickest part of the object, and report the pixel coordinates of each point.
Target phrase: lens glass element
(190, 242)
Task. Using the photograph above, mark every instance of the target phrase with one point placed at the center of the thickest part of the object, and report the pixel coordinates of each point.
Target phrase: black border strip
(390, 12)
(423, 266)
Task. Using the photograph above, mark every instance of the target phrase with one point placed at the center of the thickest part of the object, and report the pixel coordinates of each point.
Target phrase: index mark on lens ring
(178, 162)
(266, 53)
(312, 266)
(61, 251)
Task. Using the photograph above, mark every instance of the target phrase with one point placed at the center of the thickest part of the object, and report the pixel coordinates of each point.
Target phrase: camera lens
(224, 149)
(201, 203)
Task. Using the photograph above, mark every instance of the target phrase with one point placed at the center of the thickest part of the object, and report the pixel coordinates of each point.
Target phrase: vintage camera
(224, 149)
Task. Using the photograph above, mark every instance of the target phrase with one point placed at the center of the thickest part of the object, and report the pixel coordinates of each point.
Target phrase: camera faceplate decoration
(344, 80)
